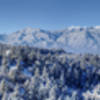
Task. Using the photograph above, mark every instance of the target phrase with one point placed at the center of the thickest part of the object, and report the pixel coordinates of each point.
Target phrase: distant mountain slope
(72, 39)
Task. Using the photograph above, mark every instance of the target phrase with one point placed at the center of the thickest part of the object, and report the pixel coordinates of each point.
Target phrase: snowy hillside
(28, 73)
(71, 39)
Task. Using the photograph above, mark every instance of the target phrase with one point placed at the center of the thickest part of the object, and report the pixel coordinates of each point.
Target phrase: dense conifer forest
(28, 73)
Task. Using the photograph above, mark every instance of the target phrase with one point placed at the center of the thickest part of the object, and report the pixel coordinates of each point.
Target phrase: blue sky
(48, 14)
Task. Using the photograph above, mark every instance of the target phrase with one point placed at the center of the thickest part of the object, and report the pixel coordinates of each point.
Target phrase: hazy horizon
(73, 26)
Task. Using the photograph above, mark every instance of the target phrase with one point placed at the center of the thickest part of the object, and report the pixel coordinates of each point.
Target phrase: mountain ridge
(72, 39)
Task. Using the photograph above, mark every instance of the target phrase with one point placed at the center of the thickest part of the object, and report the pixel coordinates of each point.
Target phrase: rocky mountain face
(71, 39)
(28, 73)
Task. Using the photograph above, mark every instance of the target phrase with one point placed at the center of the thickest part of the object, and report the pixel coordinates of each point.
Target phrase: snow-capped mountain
(71, 39)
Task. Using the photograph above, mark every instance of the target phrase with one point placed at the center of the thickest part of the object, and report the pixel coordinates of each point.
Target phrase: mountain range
(72, 39)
